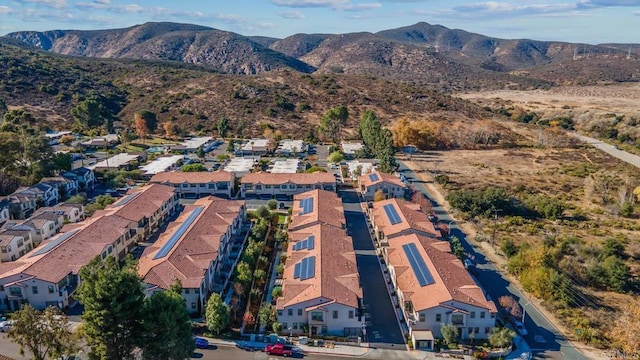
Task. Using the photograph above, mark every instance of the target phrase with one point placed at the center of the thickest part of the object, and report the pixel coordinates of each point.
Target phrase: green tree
(3, 107)
(43, 333)
(501, 337)
(276, 292)
(456, 248)
(332, 121)
(223, 127)
(63, 161)
(243, 271)
(231, 147)
(370, 129)
(272, 204)
(167, 327)
(509, 248)
(200, 152)
(113, 299)
(449, 333)
(267, 315)
(336, 156)
(196, 167)
(89, 114)
(263, 212)
(217, 313)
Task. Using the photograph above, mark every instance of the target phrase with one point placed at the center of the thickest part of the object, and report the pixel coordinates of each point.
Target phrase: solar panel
(306, 205)
(307, 268)
(305, 244)
(373, 177)
(392, 214)
(164, 250)
(127, 199)
(53, 243)
(418, 265)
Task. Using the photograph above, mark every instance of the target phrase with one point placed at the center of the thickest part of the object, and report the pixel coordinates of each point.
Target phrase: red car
(279, 349)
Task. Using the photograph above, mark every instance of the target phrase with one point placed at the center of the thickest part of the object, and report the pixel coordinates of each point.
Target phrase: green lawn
(282, 219)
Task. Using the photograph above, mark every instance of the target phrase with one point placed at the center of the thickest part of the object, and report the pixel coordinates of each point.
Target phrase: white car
(520, 328)
(6, 326)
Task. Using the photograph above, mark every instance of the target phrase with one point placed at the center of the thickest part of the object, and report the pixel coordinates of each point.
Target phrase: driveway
(382, 324)
(543, 338)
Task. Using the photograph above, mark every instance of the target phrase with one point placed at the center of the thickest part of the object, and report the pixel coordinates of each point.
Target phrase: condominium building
(284, 186)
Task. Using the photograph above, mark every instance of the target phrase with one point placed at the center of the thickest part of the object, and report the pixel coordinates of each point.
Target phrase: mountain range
(423, 53)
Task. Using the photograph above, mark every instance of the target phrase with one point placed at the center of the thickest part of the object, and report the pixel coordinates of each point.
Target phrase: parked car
(201, 343)
(520, 328)
(278, 349)
(6, 326)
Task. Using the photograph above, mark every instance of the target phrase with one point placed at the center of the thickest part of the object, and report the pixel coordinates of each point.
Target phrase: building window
(212, 186)
(267, 186)
(351, 314)
(193, 306)
(472, 314)
(284, 326)
(185, 185)
(482, 314)
(192, 185)
(292, 186)
(493, 315)
(279, 312)
(408, 306)
(223, 186)
(476, 330)
(186, 291)
(295, 326)
(300, 312)
(15, 291)
(290, 312)
(422, 317)
(202, 185)
(316, 315)
(335, 314)
(34, 289)
(51, 289)
(457, 319)
(283, 186)
(470, 330)
(438, 317)
(487, 330)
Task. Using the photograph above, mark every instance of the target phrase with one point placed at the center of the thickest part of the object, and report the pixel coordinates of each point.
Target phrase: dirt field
(610, 98)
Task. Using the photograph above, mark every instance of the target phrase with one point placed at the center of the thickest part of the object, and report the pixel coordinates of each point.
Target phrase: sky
(584, 21)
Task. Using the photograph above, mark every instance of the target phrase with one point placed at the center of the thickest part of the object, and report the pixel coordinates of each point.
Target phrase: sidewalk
(344, 350)
(522, 351)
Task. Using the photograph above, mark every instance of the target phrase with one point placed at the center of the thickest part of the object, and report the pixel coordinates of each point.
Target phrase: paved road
(545, 340)
(382, 324)
(610, 149)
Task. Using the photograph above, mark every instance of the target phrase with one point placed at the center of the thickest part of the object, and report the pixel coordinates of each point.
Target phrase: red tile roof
(451, 279)
(412, 219)
(149, 199)
(327, 209)
(380, 177)
(191, 256)
(179, 177)
(297, 178)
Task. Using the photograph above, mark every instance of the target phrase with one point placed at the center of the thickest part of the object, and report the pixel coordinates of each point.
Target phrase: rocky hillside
(434, 55)
(50, 85)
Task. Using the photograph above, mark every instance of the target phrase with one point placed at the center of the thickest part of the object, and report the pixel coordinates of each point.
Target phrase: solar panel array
(373, 177)
(305, 269)
(418, 265)
(305, 244)
(53, 243)
(164, 250)
(392, 214)
(127, 199)
(306, 205)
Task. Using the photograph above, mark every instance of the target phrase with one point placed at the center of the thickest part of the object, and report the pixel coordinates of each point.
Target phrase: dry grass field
(570, 175)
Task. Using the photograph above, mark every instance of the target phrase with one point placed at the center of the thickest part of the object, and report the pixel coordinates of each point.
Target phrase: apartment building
(199, 249)
(394, 217)
(66, 186)
(390, 185)
(197, 184)
(284, 186)
(5, 210)
(321, 293)
(20, 206)
(85, 177)
(14, 243)
(71, 213)
(43, 193)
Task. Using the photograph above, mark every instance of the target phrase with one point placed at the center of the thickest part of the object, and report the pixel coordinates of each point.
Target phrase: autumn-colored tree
(379, 195)
(170, 129)
(625, 330)
(510, 305)
(418, 133)
(249, 319)
(140, 126)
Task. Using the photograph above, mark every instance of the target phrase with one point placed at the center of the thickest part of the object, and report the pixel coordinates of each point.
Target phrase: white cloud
(291, 15)
(107, 6)
(310, 3)
(5, 10)
(53, 4)
(494, 8)
(361, 7)
(608, 3)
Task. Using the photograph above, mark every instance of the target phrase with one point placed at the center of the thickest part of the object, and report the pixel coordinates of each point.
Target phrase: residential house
(48, 274)
(123, 161)
(66, 186)
(14, 243)
(284, 186)
(321, 293)
(199, 249)
(85, 177)
(197, 184)
(44, 194)
(71, 213)
(46, 224)
(253, 147)
(433, 288)
(291, 147)
(390, 185)
(21, 206)
(101, 143)
(395, 217)
(162, 164)
(148, 207)
(5, 210)
(350, 148)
